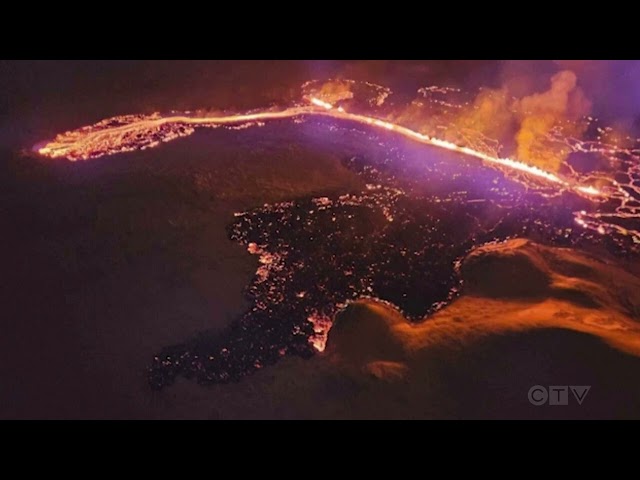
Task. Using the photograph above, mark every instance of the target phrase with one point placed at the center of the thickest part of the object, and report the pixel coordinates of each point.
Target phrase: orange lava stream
(83, 143)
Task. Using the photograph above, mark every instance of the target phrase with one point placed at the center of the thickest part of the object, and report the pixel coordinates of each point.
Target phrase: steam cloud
(560, 106)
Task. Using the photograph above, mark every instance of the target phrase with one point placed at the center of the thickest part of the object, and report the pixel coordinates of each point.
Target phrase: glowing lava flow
(140, 132)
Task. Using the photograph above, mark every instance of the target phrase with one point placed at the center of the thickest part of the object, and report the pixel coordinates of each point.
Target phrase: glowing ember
(321, 326)
(589, 190)
(320, 103)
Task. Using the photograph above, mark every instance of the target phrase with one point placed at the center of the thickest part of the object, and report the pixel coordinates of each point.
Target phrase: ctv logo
(557, 395)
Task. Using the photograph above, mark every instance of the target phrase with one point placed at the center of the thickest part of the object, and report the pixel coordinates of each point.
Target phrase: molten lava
(140, 132)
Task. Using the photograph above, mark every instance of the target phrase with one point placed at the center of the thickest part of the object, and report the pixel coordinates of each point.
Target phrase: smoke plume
(561, 106)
